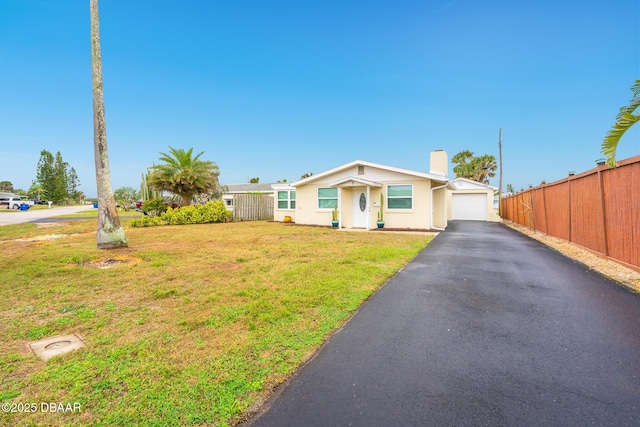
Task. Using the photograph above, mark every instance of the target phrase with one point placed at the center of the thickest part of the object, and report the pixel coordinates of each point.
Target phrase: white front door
(360, 207)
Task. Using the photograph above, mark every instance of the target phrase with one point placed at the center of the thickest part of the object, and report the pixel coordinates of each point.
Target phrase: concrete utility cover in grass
(55, 346)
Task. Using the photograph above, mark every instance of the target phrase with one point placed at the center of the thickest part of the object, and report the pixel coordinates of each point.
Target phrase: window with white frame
(400, 196)
(286, 199)
(327, 198)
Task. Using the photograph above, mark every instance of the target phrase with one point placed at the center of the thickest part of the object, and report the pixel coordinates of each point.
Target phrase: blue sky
(276, 89)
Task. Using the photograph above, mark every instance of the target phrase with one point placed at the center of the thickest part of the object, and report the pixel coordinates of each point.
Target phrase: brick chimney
(439, 163)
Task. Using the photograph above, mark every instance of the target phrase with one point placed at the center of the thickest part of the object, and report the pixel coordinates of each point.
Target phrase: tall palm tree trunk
(110, 232)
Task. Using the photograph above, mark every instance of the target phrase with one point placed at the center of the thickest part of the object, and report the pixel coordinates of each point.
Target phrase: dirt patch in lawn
(110, 262)
(42, 238)
(51, 224)
(611, 269)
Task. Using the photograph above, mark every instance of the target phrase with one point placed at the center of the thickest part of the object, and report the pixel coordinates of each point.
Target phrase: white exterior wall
(280, 214)
(307, 211)
(350, 183)
(418, 217)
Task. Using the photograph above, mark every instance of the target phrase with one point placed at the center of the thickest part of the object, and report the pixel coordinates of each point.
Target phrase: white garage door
(469, 207)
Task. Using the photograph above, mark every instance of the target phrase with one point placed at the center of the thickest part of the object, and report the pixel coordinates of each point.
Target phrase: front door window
(360, 207)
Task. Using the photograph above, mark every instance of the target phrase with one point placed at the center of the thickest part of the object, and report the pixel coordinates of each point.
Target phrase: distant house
(233, 189)
(411, 199)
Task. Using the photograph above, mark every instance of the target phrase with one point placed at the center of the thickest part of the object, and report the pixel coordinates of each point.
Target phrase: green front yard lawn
(190, 325)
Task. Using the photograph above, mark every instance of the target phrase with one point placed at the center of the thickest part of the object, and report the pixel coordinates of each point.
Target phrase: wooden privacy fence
(252, 207)
(598, 210)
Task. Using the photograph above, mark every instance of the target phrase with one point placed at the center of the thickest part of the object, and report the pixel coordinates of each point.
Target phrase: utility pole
(500, 184)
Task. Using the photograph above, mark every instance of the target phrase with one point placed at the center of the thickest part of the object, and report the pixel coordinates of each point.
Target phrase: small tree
(72, 184)
(37, 191)
(6, 186)
(60, 180)
(45, 173)
(125, 196)
(184, 175)
(255, 180)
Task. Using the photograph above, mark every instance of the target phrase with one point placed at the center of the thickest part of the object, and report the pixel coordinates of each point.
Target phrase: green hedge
(211, 212)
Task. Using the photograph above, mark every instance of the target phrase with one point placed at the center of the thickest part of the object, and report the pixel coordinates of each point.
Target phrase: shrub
(212, 212)
(154, 207)
(217, 211)
(146, 221)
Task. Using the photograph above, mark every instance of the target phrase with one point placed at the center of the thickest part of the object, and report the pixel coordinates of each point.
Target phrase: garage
(469, 206)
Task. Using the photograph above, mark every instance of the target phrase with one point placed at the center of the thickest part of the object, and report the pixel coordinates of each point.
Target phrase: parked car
(38, 202)
(11, 202)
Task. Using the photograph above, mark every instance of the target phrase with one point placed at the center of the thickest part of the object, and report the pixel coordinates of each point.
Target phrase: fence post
(544, 209)
(604, 215)
(569, 191)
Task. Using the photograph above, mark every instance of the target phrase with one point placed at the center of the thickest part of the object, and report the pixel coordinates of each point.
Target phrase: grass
(191, 326)
(93, 213)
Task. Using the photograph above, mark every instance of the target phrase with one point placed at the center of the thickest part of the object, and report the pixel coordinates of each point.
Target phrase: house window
(400, 196)
(327, 198)
(360, 170)
(287, 199)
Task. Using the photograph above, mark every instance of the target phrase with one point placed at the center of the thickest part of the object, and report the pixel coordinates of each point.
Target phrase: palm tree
(484, 167)
(37, 190)
(476, 168)
(463, 162)
(184, 175)
(110, 233)
(625, 119)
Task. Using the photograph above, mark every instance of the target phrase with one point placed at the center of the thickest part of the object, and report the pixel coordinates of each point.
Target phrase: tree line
(56, 181)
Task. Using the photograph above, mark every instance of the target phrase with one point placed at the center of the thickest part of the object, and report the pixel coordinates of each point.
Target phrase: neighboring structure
(412, 199)
(472, 200)
(233, 189)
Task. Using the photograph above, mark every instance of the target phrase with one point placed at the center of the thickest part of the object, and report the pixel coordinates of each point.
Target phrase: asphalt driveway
(485, 327)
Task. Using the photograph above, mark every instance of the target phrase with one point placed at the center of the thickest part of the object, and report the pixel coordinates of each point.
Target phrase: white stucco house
(411, 199)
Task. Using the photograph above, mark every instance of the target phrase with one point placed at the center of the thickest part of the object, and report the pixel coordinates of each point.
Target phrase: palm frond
(624, 120)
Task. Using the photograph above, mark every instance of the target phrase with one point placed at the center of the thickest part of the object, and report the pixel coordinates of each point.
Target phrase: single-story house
(472, 200)
(410, 199)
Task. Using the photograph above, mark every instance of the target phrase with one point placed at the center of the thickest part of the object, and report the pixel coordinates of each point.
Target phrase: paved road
(486, 327)
(19, 217)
